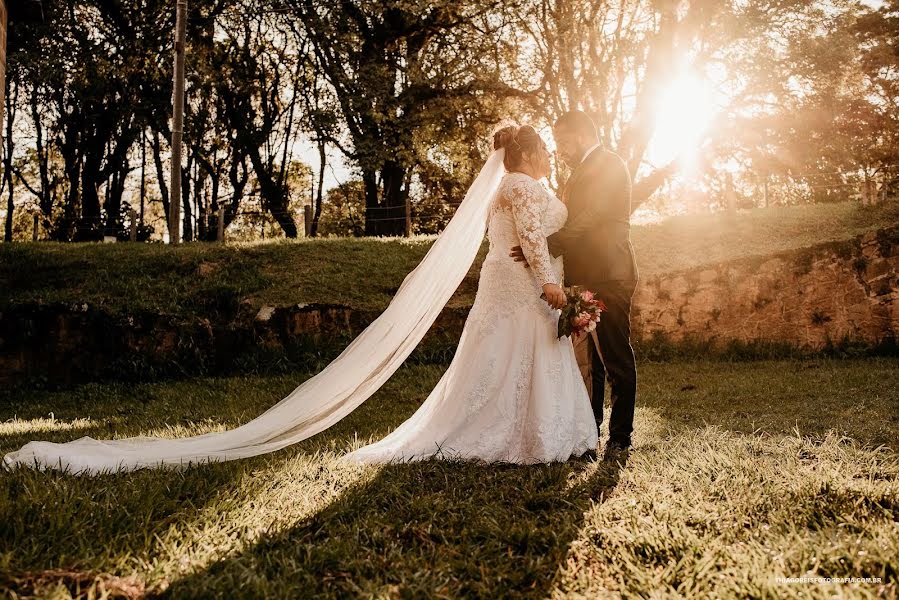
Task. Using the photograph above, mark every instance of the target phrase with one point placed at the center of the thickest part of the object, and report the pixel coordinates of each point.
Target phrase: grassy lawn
(742, 472)
(154, 277)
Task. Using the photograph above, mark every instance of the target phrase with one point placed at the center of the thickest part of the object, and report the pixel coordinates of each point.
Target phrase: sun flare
(683, 111)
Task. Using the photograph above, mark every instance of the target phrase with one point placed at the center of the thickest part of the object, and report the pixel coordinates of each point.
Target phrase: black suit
(599, 257)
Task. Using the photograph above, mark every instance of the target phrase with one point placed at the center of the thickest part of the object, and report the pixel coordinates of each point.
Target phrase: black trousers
(614, 360)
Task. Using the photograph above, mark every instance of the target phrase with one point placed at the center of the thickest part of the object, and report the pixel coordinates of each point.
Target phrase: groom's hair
(577, 121)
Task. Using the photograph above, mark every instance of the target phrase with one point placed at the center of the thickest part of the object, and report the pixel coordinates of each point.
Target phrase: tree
(397, 70)
(826, 103)
(258, 76)
(83, 70)
(344, 210)
(615, 59)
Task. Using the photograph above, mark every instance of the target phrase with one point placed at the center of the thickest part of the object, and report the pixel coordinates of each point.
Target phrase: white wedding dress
(513, 392)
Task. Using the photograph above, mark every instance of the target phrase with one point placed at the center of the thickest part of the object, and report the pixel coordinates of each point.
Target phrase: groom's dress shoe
(616, 451)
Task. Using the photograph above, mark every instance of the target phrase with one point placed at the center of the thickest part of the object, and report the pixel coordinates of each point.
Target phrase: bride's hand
(555, 296)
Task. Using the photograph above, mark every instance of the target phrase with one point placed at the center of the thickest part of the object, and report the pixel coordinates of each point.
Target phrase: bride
(513, 392)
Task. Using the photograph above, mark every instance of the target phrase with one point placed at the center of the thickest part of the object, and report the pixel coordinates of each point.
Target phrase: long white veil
(326, 398)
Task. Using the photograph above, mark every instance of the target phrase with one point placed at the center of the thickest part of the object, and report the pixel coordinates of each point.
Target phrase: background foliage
(405, 92)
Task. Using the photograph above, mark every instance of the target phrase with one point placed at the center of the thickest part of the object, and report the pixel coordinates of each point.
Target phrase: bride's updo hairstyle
(517, 141)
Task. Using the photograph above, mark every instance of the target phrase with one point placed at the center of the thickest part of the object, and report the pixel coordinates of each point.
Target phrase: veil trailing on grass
(326, 398)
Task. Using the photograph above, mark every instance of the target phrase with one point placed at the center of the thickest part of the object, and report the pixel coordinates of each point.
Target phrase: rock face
(827, 294)
(75, 343)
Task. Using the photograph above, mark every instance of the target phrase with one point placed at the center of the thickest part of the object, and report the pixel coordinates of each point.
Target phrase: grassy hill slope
(365, 273)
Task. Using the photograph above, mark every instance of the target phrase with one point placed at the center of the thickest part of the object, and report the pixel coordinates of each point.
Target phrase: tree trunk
(97, 136)
(45, 197)
(212, 215)
(868, 193)
(372, 222)
(143, 174)
(160, 175)
(89, 225)
(274, 195)
(70, 149)
(7, 158)
(317, 211)
(10, 205)
(238, 177)
(115, 189)
(385, 212)
(636, 137)
(186, 212)
(393, 176)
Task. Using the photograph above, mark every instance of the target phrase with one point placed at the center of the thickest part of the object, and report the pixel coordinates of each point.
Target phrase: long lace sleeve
(528, 205)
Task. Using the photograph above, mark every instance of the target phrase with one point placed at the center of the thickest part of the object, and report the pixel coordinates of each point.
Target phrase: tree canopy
(794, 101)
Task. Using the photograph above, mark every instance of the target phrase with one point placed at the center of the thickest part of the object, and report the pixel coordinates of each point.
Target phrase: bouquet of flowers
(581, 314)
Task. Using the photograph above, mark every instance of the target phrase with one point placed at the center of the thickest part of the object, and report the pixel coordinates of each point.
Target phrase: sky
(336, 172)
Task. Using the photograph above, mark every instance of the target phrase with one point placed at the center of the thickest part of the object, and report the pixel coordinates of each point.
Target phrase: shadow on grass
(423, 528)
(66, 530)
(432, 528)
(59, 530)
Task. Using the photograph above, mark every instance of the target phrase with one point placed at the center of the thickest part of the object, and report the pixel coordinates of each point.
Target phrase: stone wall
(809, 298)
(59, 343)
(827, 294)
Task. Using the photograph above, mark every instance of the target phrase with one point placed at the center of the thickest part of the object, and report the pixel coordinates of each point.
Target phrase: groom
(595, 242)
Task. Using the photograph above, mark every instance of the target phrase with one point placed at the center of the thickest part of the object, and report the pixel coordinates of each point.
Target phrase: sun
(683, 111)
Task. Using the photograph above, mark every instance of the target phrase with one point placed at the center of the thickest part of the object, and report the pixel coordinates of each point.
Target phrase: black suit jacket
(596, 237)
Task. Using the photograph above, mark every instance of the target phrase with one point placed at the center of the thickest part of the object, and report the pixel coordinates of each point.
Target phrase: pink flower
(582, 320)
(587, 296)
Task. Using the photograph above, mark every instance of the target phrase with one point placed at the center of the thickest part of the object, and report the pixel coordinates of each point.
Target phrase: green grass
(690, 241)
(365, 273)
(742, 472)
(154, 277)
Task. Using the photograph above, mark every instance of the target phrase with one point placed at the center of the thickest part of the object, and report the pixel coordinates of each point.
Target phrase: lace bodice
(523, 214)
